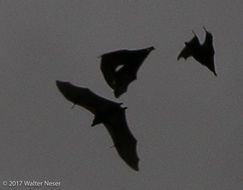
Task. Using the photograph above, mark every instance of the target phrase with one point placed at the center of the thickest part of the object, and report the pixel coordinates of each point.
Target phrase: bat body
(120, 68)
(110, 113)
(203, 53)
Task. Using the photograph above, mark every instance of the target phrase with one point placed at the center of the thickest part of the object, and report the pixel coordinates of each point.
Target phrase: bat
(110, 113)
(120, 67)
(203, 53)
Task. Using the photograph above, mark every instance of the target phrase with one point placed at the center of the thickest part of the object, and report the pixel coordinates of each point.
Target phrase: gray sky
(188, 123)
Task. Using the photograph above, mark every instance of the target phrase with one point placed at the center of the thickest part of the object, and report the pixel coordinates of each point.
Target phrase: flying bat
(110, 113)
(203, 53)
(120, 67)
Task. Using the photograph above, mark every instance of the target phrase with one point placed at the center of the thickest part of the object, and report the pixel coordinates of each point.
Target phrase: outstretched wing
(124, 141)
(87, 99)
(111, 114)
(129, 61)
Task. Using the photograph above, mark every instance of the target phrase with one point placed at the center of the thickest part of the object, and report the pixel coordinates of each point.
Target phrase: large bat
(111, 114)
(204, 53)
(120, 67)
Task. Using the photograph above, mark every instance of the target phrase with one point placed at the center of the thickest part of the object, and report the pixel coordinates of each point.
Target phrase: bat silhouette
(120, 67)
(204, 53)
(110, 113)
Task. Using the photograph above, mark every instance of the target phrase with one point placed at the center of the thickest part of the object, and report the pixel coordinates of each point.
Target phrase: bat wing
(190, 48)
(210, 64)
(129, 60)
(87, 99)
(185, 53)
(111, 114)
(206, 56)
(124, 141)
(109, 63)
(208, 42)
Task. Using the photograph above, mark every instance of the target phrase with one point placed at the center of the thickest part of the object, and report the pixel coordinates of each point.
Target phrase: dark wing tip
(134, 165)
(60, 84)
(119, 91)
(117, 94)
(178, 57)
(151, 48)
(136, 168)
(185, 53)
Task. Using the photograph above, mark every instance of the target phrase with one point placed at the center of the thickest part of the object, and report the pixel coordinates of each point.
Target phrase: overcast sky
(188, 123)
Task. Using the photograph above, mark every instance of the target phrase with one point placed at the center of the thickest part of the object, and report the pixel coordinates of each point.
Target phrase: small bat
(110, 113)
(120, 67)
(204, 53)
